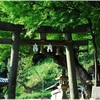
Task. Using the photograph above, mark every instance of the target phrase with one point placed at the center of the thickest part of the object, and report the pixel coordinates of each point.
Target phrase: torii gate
(16, 42)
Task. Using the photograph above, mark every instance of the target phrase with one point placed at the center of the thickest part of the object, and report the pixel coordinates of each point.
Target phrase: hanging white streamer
(50, 48)
(35, 47)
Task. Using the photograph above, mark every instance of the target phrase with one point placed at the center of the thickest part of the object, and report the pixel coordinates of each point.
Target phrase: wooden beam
(47, 29)
(13, 66)
(54, 42)
(11, 27)
(80, 42)
(83, 50)
(77, 29)
(71, 68)
(5, 41)
(81, 28)
(45, 42)
(43, 36)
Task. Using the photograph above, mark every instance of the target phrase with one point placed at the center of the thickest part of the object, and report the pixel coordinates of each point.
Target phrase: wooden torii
(16, 42)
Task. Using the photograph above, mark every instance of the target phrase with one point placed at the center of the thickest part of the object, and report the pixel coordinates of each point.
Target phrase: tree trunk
(84, 76)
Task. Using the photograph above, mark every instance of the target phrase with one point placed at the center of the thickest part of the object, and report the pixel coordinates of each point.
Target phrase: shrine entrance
(68, 43)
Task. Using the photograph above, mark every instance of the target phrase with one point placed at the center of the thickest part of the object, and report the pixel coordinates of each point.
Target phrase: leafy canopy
(58, 14)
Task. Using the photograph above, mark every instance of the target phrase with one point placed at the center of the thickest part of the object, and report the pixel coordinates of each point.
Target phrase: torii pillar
(13, 65)
(71, 68)
(16, 29)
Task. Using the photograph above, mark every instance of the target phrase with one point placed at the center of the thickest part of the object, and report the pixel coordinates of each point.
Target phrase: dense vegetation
(32, 81)
(58, 14)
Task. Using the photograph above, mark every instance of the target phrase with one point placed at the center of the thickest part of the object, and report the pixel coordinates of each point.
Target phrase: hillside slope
(32, 80)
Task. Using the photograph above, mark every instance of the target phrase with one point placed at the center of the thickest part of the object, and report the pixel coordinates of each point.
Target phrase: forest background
(35, 71)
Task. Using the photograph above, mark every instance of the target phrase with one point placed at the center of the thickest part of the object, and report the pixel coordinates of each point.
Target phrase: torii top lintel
(43, 29)
(78, 29)
(11, 27)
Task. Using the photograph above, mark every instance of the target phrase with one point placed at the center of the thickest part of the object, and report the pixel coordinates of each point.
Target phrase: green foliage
(54, 13)
(4, 52)
(58, 14)
(30, 78)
